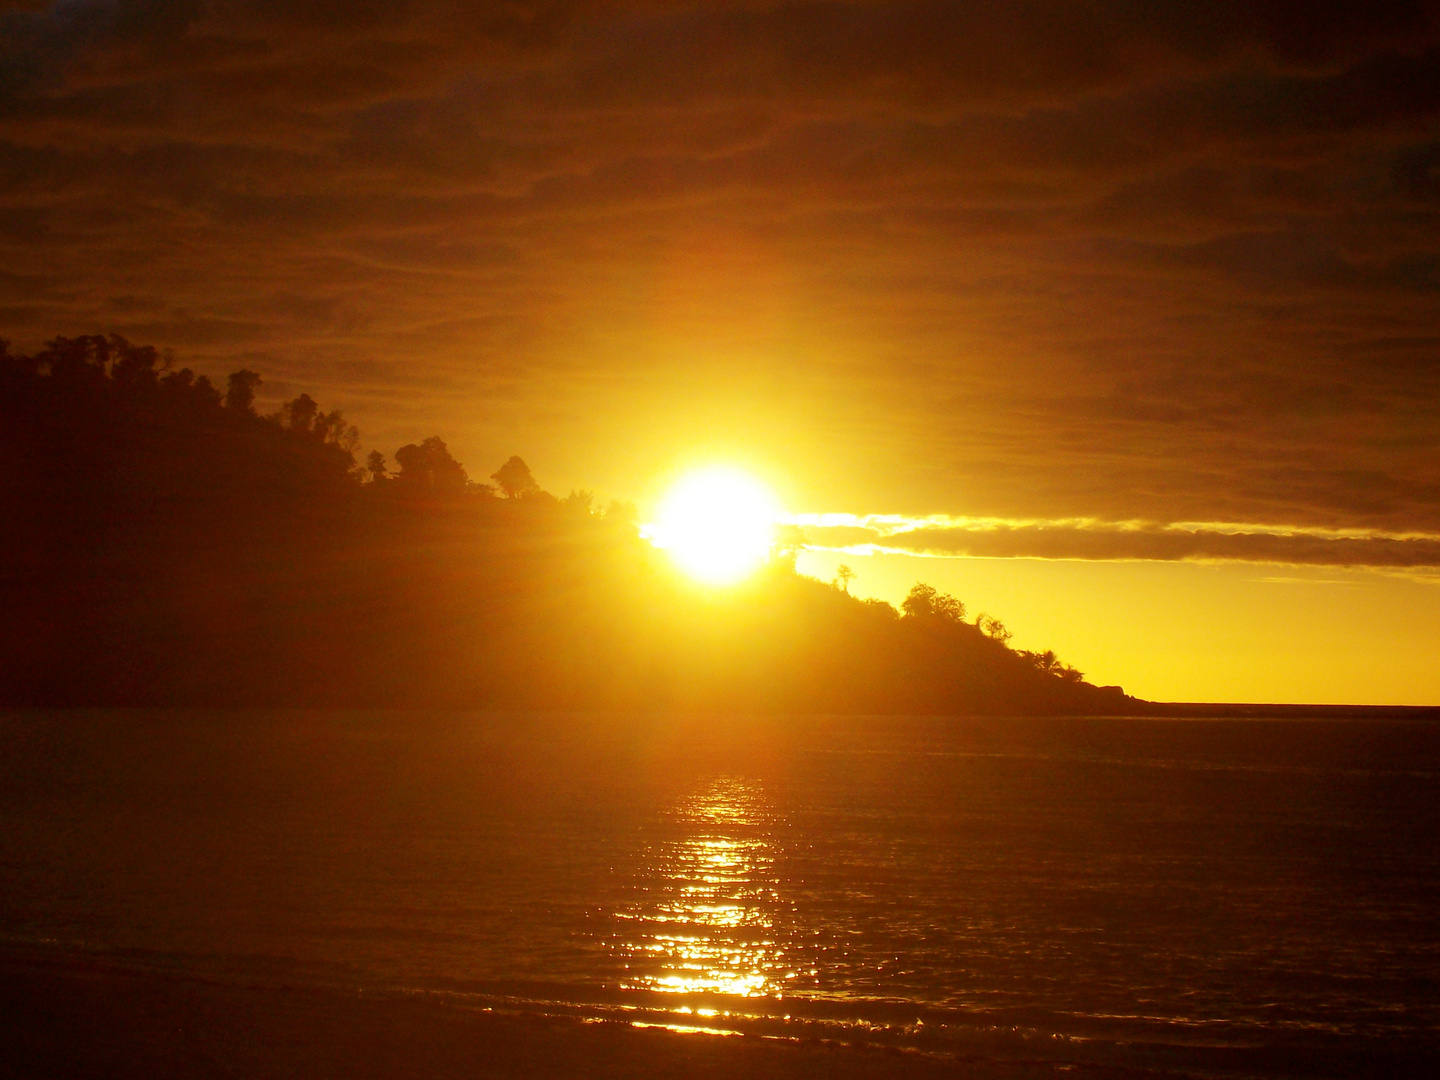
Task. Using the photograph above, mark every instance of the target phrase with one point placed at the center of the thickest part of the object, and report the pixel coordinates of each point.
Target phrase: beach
(80, 1017)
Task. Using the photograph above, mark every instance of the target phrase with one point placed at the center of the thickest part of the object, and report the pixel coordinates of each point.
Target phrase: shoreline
(65, 1014)
(78, 1015)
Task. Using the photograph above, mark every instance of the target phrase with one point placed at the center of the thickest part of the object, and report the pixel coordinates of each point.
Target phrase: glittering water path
(704, 917)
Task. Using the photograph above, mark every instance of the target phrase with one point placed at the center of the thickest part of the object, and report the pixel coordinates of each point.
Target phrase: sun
(717, 523)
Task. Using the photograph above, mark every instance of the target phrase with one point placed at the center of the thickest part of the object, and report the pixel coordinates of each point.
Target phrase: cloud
(1110, 541)
(1018, 259)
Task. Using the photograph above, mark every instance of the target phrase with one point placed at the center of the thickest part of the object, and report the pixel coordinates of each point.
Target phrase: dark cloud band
(1101, 541)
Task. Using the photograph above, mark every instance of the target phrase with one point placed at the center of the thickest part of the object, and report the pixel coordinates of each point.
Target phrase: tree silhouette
(430, 466)
(300, 414)
(240, 396)
(375, 466)
(993, 628)
(924, 601)
(844, 575)
(514, 479)
(1051, 664)
(580, 501)
(132, 367)
(1047, 661)
(331, 428)
(74, 362)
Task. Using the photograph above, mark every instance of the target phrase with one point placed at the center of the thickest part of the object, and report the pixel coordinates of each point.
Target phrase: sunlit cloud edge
(1089, 539)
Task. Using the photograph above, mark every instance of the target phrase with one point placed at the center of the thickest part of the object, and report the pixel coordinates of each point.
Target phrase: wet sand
(76, 1016)
(84, 1018)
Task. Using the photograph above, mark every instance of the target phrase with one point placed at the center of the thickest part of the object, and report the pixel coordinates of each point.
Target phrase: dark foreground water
(1075, 889)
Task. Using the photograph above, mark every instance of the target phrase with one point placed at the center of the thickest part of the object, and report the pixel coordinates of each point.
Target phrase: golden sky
(1119, 319)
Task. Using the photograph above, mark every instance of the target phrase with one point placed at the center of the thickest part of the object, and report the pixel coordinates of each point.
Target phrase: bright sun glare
(717, 523)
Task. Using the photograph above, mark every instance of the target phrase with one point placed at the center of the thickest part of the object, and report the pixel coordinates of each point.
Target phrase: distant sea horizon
(1280, 710)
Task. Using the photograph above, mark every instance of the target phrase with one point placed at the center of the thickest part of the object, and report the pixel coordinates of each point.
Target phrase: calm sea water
(1074, 888)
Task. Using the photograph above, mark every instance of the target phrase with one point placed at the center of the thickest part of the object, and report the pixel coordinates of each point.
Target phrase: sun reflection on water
(703, 923)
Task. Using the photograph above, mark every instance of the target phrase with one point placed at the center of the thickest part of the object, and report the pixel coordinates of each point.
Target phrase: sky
(1119, 320)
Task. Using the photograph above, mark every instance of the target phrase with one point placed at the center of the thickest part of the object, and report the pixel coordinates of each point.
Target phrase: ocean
(1250, 896)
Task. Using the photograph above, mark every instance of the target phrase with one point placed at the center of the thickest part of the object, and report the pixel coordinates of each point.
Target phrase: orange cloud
(1032, 261)
(1097, 540)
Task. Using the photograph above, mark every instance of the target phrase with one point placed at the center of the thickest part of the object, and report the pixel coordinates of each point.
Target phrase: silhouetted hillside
(164, 544)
